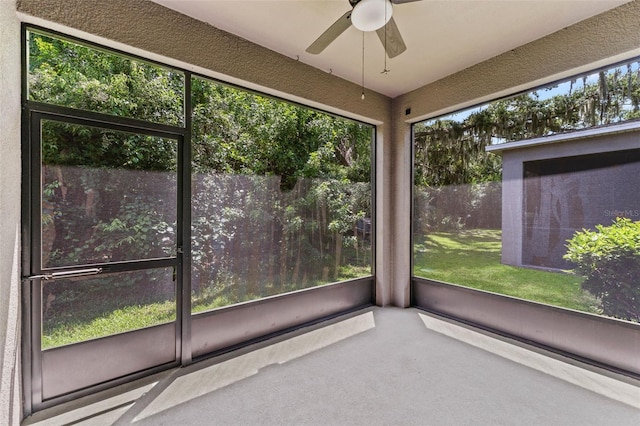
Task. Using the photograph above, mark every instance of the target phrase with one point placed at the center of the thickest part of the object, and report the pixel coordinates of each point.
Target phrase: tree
(455, 177)
(277, 188)
(452, 152)
(298, 205)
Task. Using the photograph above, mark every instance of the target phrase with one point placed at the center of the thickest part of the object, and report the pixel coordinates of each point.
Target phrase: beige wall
(600, 40)
(10, 393)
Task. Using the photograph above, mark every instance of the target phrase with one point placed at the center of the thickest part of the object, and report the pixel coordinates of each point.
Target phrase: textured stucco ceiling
(442, 36)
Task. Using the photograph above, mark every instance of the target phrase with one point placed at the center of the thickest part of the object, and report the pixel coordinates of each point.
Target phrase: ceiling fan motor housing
(371, 15)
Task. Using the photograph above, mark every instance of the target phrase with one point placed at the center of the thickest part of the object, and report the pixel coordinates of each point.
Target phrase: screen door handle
(65, 274)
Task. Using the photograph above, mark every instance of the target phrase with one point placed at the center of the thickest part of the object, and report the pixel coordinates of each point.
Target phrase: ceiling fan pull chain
(385, 70)
(362, 96)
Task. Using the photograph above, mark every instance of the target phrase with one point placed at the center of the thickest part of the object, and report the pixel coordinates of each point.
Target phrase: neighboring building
(554, 186)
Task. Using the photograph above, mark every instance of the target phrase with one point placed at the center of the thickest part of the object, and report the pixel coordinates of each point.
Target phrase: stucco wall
(10, 394)
(592, 42)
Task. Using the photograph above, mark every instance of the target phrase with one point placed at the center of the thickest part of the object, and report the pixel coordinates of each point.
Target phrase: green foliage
(102, 189)
(472, 258)
(277, 188)
(452, 152)
(100, 193)
(448, 153)
(609, 257)
(73, 75)
(235, 131)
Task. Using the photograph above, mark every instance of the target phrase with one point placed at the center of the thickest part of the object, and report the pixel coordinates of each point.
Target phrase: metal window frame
(340, 297)
(573, 334)
(604, 342)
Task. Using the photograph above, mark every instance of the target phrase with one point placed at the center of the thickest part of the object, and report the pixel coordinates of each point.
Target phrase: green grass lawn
(58, 332)
(69, 328)
(472, 258)
(469, 258)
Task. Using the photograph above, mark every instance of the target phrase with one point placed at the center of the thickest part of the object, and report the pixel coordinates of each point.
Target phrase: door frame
(35, 360)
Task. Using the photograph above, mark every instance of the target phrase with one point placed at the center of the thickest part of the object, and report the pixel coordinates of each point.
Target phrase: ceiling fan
(366, 9)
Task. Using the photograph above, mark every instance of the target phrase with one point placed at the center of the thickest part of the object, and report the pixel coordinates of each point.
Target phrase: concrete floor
(379, 366)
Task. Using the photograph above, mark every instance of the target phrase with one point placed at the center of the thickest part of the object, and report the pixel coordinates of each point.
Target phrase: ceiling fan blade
(403, 1)
(394, 44)
(332, 33)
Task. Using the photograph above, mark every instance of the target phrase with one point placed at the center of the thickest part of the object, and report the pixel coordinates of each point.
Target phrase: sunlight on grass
(472, 258)
(118, 321)
(65, 331)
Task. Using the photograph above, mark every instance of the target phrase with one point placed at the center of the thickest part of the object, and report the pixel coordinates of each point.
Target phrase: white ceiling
(442, 36)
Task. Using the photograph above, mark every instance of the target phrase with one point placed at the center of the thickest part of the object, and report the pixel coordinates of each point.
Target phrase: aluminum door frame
(61, 384)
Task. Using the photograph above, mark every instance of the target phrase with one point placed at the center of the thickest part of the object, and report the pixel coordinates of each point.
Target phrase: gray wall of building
(512, 214)
(592, 187)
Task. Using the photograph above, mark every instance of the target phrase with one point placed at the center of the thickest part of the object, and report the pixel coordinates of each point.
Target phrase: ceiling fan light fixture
(370, 15)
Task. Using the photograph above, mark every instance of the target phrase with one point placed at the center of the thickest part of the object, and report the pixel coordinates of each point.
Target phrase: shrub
(609, 257)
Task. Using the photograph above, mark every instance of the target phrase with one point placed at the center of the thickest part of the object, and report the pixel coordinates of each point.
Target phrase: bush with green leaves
(609, 258)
